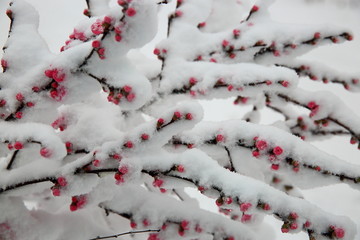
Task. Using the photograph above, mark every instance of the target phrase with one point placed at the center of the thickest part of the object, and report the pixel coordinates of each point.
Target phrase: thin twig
(126, 233)
(12, 160)
(178, 195)
(232, 168)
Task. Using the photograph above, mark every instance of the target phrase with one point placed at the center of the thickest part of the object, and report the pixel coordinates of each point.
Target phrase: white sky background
(58, 17)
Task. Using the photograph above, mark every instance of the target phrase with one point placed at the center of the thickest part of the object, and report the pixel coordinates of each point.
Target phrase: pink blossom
(97, 27)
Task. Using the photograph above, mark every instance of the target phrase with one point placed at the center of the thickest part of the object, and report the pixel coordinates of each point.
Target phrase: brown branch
(283, 216)
(266, 48)
(312, 41)
(344, 126)
(303, 70)
(336, 121)
(278, 110)
(26, 183)
(218, 85)
(240, 143)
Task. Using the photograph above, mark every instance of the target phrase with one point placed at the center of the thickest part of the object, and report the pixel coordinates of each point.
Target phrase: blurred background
(58, 18)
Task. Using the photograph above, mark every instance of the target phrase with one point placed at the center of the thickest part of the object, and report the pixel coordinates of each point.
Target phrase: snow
(103, 131)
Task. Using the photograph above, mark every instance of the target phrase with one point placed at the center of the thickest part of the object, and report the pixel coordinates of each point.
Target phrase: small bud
(180, 168)
(339, 233)
(160, 122)
(245, 206)
(146, 222)
(73, 207)
(118, 37)
(198, 229)
(220, 138)
(117, 156)
(228, 200)
(133, 225)
(96, 44)
(255, 8)
(307, 224)
(56, 192)
(312, 105)
(20, 97)
(156, 51)
(30, 104)
(193, 81)
(9, 13)
(96, 162)
(144, 136)
(158, 182)
(201, 25)
(177, 115)
(10, 146)
(129, 144)
(294, 215)
(45, 152)
(118, 177)
(18, 145)
(121, 2)
(277, 150)
(101, 51)
(19, 115)
(68, 145)
(266, 207)
(178, 13)
(2, 102)
(130, 97)
(348, 37)
(261, 144)
(225, 43)
(107, 19)
(35, 89)
(317, 35)
(184, 224)
(130, 12)
(276, 53)
(236, 33)
(219, 202)
(4, 64)
(246, 218)
(275, 167)
(188, 116)
(285, 83)
(86, 12)
(293, 226)
(62, 181)
(118, 30)
(255, 153)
